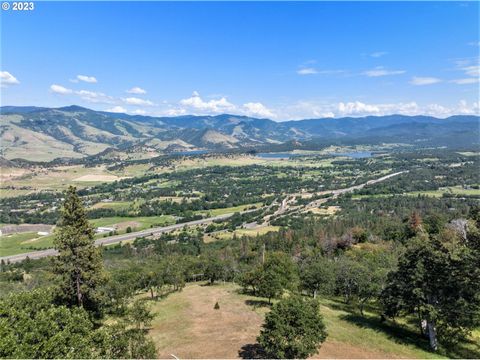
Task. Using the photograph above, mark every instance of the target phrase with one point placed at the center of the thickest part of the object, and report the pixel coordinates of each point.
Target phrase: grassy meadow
(185, 322)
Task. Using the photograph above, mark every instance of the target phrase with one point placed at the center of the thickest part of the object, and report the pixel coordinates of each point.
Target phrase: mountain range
(38, 133)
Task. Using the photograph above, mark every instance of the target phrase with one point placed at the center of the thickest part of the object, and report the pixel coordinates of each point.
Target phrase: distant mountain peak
(73, 108)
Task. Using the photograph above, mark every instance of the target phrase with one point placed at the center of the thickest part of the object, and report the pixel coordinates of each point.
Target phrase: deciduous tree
(293, 329)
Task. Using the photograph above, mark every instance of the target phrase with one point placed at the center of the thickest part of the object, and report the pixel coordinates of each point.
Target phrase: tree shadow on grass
(399, 334)
(350, 308)
(394, 332)
(252, 351)
(256, 303)
(467, 349)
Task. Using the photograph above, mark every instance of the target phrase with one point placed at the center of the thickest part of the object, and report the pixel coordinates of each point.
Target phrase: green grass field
(23, 242)
(26, 242)
(142, 222)
(229, 210)
(452, 190)
(115, 205)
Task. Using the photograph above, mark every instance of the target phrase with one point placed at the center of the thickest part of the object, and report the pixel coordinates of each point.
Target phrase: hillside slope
(38, 133)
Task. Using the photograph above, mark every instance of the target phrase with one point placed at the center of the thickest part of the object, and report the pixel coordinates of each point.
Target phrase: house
(104, 229)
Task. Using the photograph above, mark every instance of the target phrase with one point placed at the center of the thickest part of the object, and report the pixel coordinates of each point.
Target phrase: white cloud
(58, 89)
(330, 72)
(313, 71)
(117, 109)
(378, 54)
(137, 90)
(307, 71)
(470, 68)
(175, 112)
(381, 71)
(85, 95)
(313, 109)
(357, 108)
(137, 102)
(465, 81)
(215, 106)
(121, 109)
(7, 79)
(88, 79)
(419, 81)
(258, 109)
(95, 97)
(196, 105)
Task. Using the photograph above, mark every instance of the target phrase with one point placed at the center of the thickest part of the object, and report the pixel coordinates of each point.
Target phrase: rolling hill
(43, 134)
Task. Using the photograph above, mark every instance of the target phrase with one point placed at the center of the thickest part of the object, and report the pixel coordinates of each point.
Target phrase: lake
(353, 154)
(191, 152)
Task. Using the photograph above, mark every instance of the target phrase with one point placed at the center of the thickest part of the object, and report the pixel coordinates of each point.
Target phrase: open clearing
(23, 242)
(97, 178)
(143, 222)
(187, 326)
(56, 178)
(222, 235)
(228, 210)
(450, 190)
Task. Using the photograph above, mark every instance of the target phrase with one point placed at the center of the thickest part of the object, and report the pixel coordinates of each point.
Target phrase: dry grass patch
(188, 326)
(329, 210)
(97, 177)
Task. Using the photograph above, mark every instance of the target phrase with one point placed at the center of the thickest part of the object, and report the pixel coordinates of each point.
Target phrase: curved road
(159, 230)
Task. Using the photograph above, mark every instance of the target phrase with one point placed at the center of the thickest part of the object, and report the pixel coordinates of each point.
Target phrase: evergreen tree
(79, 263)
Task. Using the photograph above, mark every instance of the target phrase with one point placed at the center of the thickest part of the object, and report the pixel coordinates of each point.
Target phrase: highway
(118, 238)
(159, 230)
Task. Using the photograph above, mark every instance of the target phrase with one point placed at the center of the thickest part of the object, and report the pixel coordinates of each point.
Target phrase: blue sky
(277, 60)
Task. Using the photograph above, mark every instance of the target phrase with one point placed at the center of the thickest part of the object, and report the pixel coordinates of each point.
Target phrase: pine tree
(79, 263)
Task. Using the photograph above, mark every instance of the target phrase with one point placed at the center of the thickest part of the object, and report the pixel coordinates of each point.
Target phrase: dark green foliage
(293, 329)
(271, 278)
(361, 273)
(214, 269)
(317, 276)
(438, 280)
(78, 266)
(32, 326)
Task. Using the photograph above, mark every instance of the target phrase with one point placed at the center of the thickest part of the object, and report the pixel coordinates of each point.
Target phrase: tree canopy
(293, 329)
